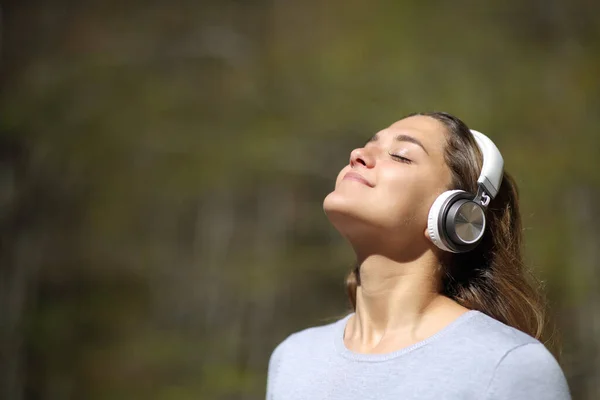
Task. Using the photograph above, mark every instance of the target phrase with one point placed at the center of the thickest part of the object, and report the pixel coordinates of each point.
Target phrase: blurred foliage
(163, 166)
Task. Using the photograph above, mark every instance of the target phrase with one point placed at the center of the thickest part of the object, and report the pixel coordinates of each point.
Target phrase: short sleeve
(528, 372)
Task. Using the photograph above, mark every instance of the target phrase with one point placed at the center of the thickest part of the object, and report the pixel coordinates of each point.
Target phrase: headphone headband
(491, 172)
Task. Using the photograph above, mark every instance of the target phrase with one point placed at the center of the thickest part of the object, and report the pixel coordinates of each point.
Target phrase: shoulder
(313, 339)
(483, 339)
(310, 337)
(494, 334)
(528, 371)
(523, 366)
(516, 365)
(295, 349)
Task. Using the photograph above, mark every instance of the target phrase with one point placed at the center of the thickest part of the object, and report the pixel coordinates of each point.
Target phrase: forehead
(429, 131)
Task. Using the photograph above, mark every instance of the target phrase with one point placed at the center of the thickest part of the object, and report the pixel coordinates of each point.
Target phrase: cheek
(406, 195)
(399, 182)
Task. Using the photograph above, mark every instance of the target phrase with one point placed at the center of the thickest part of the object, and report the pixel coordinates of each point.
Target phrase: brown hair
(492, 278)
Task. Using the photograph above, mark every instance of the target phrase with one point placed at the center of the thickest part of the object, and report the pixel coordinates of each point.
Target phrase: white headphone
(456, 221)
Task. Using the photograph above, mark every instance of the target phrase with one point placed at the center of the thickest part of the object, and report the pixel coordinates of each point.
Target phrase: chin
(336, 202)
(346, 213)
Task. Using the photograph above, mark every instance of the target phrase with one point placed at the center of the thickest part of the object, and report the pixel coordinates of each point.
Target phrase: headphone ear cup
(436, 219)
(465, 224)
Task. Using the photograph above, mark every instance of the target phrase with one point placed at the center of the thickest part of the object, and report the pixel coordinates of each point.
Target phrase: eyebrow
(403, 138)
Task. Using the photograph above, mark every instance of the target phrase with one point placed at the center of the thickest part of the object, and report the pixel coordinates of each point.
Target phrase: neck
(396, 297)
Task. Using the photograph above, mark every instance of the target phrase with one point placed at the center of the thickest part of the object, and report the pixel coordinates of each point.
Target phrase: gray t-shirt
(475, 357)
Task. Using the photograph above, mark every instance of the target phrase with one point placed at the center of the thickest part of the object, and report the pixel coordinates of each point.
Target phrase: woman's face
(389, 185)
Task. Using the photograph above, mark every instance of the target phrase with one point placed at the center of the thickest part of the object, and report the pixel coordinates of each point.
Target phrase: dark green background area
(163, 166)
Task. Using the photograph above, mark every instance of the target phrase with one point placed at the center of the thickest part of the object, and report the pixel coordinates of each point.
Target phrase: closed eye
(399, 158)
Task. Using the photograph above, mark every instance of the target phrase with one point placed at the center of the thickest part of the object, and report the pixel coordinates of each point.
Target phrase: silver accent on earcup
(465, 222)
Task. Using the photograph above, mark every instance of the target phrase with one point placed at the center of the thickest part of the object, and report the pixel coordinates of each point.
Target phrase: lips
(354, 176)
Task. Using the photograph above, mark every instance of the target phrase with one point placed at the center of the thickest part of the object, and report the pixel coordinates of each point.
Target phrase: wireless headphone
(456, 221)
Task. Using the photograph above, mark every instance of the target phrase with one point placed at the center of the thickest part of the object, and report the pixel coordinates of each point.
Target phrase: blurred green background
(163, 164)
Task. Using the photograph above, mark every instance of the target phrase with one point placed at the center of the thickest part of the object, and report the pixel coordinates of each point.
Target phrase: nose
(361, 157)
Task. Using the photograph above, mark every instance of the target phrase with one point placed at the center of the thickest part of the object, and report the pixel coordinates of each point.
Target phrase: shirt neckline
(340, 327)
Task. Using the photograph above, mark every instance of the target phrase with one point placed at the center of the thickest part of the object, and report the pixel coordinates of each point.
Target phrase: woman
(443, 305)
